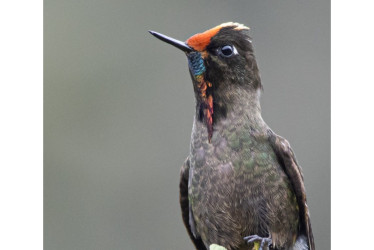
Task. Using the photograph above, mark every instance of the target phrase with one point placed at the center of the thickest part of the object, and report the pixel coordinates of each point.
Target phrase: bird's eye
(227, 50)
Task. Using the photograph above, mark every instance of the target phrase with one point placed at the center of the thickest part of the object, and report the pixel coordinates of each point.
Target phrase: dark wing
(183, 200)
(288, 161)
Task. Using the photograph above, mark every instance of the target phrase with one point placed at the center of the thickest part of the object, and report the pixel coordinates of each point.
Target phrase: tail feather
(301, 243)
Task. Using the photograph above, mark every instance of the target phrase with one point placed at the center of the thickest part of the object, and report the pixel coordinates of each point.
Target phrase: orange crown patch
(200, 41)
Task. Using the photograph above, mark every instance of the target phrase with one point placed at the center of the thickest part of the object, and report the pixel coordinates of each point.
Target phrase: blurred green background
(119, 104)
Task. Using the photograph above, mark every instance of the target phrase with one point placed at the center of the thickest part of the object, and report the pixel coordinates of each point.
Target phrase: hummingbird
(241, 186)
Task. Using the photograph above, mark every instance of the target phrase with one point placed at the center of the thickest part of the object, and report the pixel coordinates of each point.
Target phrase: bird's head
(222, 67)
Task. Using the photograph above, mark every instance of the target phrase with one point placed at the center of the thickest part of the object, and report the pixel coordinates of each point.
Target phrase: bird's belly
(230, 200)
(237, 188)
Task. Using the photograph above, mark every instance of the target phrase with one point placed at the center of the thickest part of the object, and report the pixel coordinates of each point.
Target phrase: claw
(253, 238)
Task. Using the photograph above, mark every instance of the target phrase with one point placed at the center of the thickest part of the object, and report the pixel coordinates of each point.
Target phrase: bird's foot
(257, 239)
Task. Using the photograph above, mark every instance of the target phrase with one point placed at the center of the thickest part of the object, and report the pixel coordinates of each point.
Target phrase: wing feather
(184, 203)
(288, 161)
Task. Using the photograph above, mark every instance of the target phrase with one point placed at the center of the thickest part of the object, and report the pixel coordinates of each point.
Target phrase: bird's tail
(301, 243)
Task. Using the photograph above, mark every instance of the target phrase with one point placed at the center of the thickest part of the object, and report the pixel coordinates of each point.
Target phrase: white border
(352, 124)
(21, 126)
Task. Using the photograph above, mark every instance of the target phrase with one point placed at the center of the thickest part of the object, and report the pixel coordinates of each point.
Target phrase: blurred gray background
(119, 104)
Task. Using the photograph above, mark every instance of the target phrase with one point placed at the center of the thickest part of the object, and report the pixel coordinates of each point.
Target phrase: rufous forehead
(200, 41)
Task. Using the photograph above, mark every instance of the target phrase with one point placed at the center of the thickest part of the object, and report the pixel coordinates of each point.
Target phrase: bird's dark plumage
(240, 180)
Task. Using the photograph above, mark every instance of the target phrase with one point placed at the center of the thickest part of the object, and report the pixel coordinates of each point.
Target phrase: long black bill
(176, 43)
